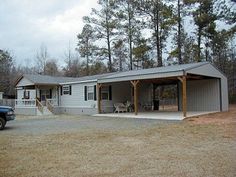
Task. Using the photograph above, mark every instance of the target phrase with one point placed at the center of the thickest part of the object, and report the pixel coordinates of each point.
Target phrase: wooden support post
(135, 84)
(184, 95)
(99, 86)
(36, 89)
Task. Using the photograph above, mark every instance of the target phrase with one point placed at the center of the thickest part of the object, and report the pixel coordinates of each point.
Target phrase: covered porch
(141, 98)
(195, 94)
(41, 97)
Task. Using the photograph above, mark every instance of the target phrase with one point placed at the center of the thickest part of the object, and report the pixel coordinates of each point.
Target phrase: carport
(201, 89)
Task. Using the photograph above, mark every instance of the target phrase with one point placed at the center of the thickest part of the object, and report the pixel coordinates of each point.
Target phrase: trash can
(156, 104)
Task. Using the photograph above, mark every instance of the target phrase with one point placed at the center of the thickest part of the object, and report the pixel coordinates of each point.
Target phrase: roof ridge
(199, 65)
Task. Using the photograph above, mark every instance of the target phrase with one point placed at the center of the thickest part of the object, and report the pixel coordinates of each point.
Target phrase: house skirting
(31, 111)
(76, 110)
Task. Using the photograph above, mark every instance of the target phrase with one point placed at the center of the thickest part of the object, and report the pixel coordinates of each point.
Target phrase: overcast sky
(27, 24)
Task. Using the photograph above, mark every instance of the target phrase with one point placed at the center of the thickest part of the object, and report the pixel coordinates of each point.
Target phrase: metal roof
(158, 72)
(150, 73)
(52, 80)
(44, 79)
(93, 78)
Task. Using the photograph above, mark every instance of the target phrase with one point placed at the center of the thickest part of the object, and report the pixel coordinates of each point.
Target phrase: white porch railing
(32, 102)
(25, 103)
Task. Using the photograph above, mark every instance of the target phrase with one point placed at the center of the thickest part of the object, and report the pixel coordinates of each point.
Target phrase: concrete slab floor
(160, 115)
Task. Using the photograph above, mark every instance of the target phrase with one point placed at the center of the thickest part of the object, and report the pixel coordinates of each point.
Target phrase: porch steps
(45, 112)
(39, 113)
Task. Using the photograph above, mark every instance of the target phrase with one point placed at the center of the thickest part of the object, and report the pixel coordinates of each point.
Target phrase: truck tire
(2, 123)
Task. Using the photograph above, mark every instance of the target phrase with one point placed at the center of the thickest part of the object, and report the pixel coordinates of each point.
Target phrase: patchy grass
(195, 147)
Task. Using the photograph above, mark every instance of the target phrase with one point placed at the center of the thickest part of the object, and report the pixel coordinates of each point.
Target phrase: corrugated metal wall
(210, 70)
(202, 95)
(224, 94)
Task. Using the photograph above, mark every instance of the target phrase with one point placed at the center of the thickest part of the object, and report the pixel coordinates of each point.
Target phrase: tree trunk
(130, 44)
(159, 57)
(108, 42)
(199, 44)
(109, 53)
(130, 39)
(179, 35)
(87, 58)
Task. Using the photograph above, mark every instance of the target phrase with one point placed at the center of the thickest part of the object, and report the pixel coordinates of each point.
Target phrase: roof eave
(79, 82)
(18, 80)
(50, 84)
(142, 76)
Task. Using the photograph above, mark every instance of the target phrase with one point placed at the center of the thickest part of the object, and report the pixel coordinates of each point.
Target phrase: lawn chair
(120, 107)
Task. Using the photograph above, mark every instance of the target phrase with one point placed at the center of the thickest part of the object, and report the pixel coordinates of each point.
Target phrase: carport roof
(177, 70)
(158, 72)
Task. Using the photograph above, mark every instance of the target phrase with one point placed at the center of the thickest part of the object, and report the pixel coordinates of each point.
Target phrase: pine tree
(204, 18)
(130, 25)
(85, 44)
(160, 20)
(104, 23)
(119, 50)
(6, 64)
(141, 54)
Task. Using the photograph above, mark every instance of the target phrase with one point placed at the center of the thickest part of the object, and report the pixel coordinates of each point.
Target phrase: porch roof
(36, 79)
(44, 79)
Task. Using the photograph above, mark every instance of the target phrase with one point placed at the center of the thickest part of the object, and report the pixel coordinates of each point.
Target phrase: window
(90, 92)
(105, 95)
(66, 90)
(26, 94)
(45, 94)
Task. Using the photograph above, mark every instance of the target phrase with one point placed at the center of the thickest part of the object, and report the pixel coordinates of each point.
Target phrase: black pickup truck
(6, 114)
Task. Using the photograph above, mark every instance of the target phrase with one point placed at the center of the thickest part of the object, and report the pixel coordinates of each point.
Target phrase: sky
(25, 25)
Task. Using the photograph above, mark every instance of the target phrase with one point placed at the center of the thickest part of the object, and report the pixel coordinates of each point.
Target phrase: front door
(45, 94)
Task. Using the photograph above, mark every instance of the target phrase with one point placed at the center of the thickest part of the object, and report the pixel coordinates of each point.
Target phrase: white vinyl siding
(76, 99)
(24, 82)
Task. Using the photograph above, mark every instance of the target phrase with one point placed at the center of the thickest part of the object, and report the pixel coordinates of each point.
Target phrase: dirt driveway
(98, 147)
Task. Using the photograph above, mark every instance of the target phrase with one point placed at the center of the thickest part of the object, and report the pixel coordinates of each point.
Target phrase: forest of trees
(136, 34)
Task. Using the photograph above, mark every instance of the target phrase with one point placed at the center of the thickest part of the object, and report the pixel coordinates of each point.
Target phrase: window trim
(90, 90)
(66, 89)
(106, 92)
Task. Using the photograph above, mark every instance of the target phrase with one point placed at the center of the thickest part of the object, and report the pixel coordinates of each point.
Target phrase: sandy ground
(217, 118)
(99, 147)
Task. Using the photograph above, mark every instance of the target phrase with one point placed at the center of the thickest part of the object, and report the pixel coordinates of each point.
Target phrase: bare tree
(42, 57)
(51, 68)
